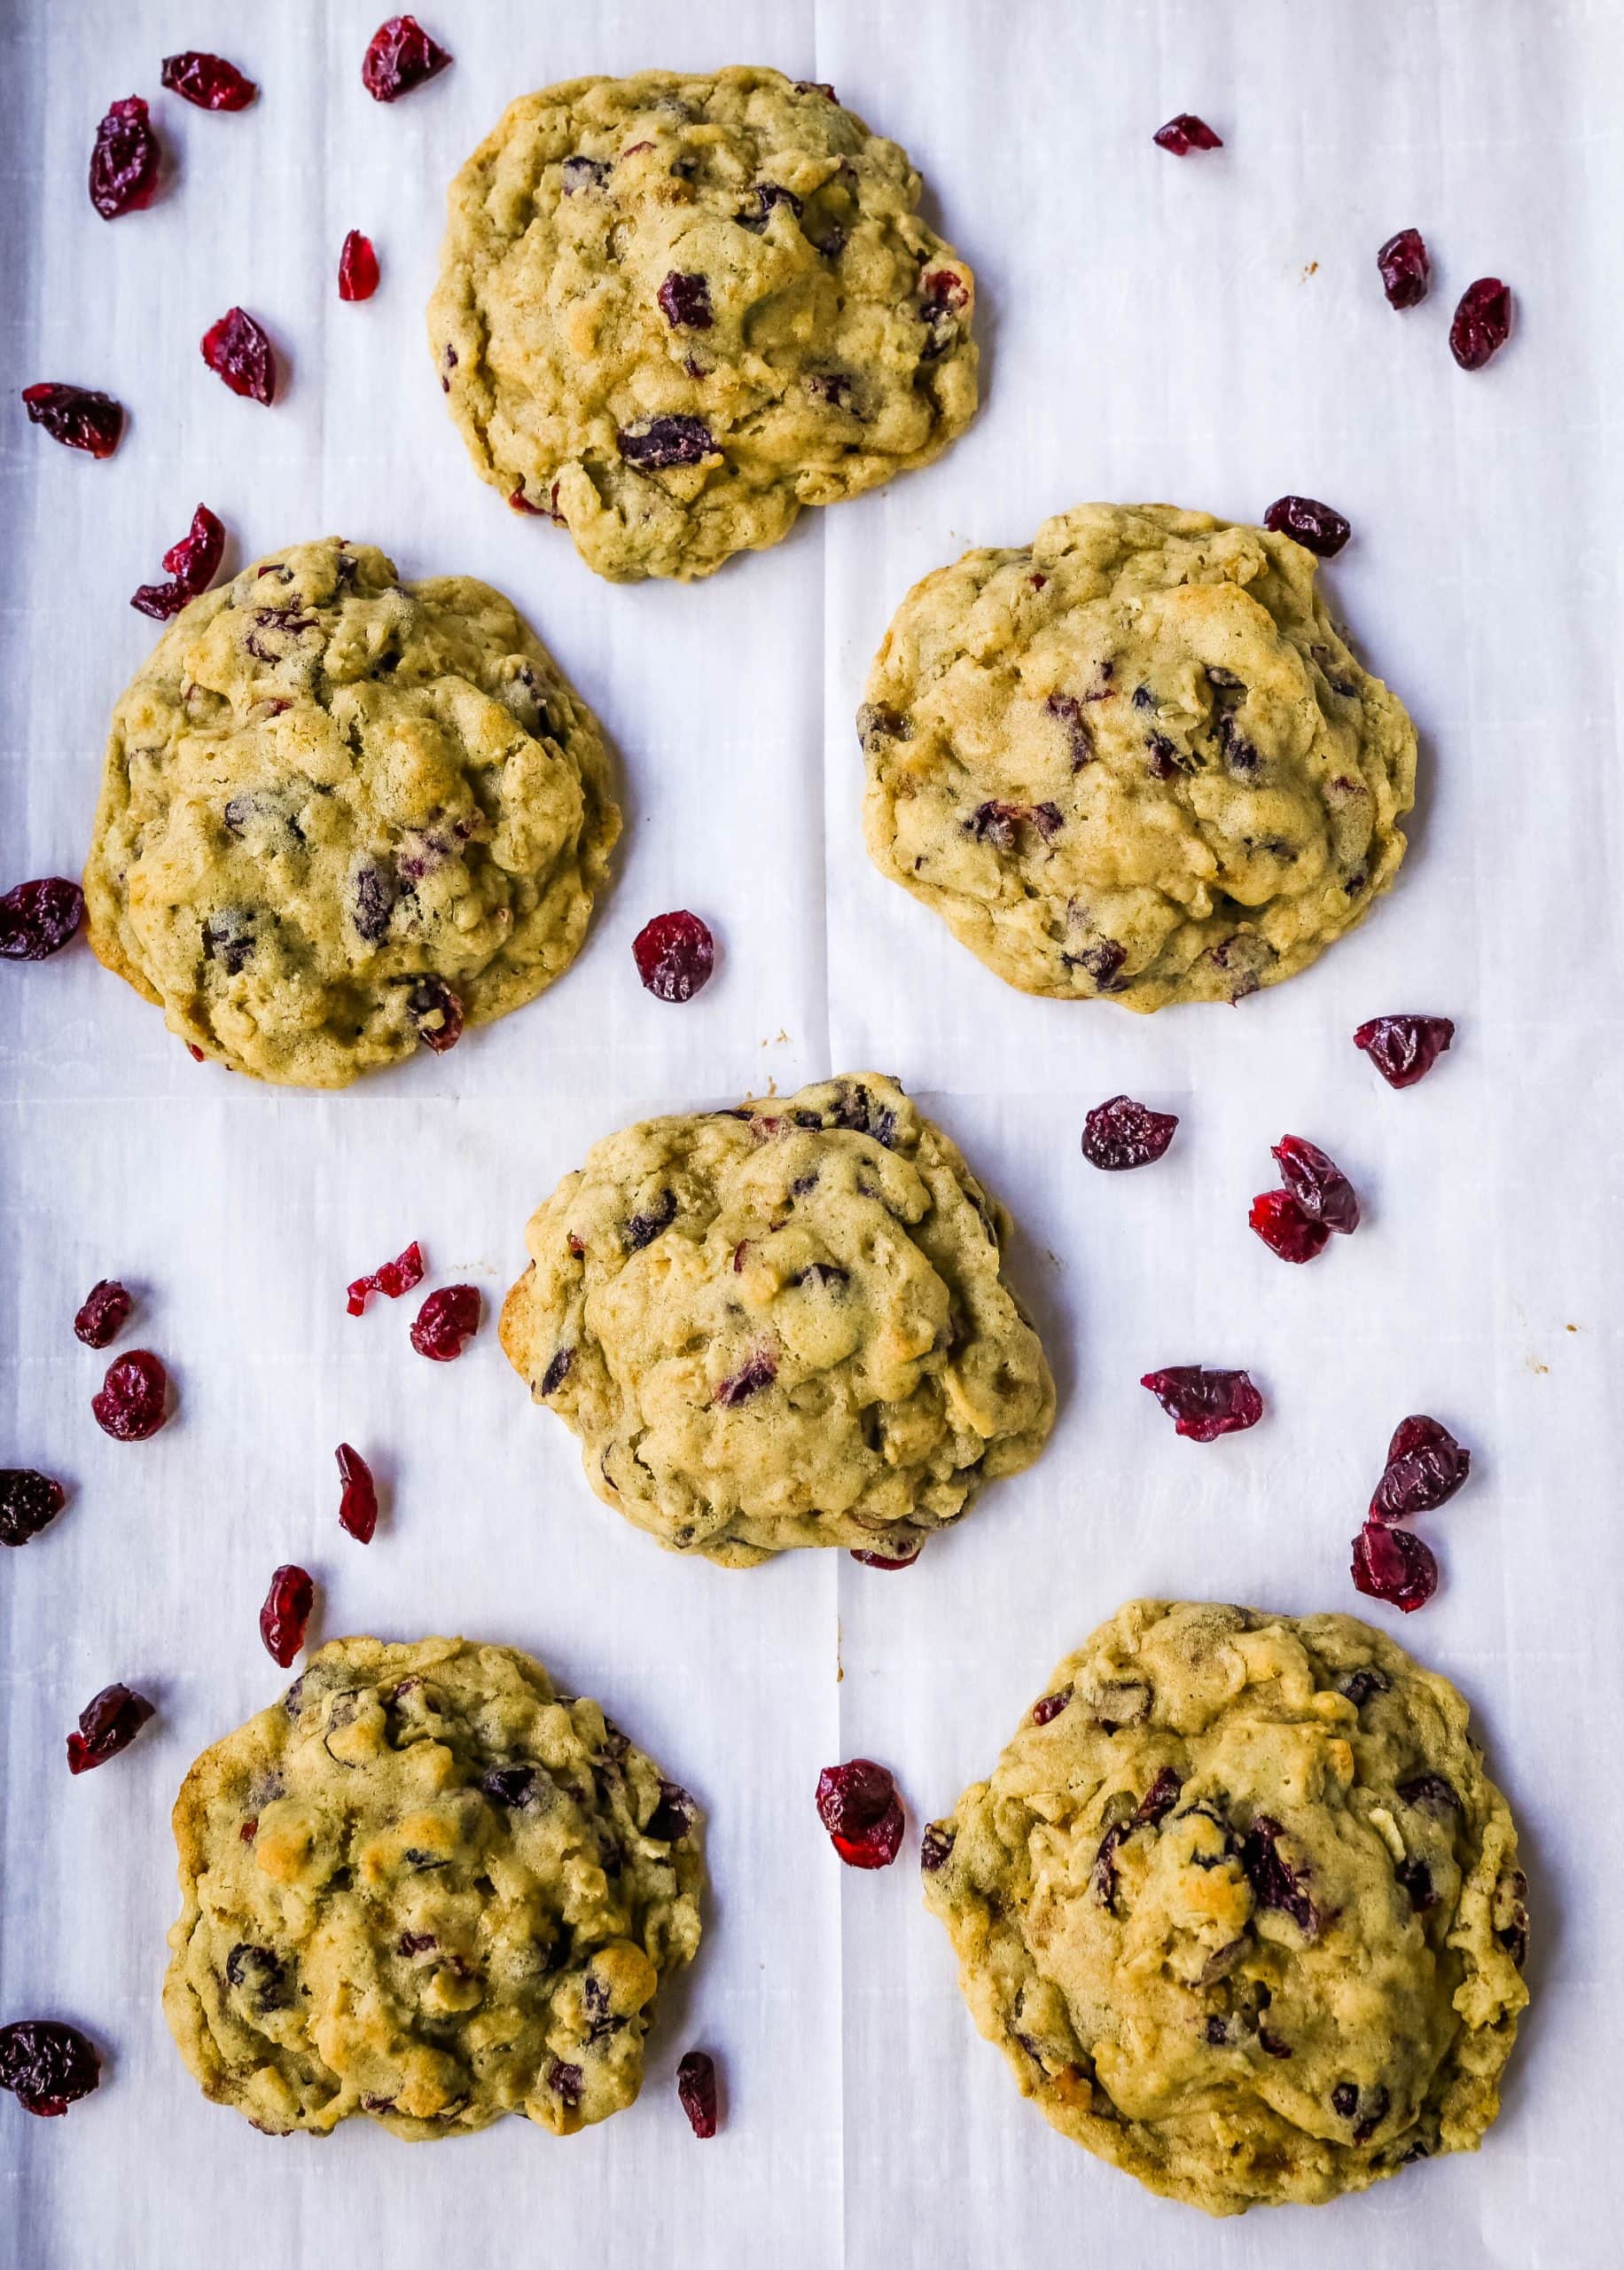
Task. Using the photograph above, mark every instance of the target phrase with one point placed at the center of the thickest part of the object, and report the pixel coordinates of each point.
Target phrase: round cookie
(1135, 758)
(672, 310)
(1241, 1906)
(427, 1887)
(784, 1325)
(343, 815)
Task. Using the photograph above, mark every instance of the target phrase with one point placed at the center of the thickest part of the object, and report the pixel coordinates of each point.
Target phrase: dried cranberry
(402, 56)
(759, 1373)
(565, 2083)
(393, 1278)
(39, 918)
(124, 161)
(358, 1498)
(446, 1322)
(28, 1501)
(696, 2089)
(1316, 526)
(1318, 1185)
(1049, 1706)
(685, 302)
(132, 1402)
(192, 563)
(1185, 133)
(675, 954)
(1275, 1881)
(662, 441)
(357, 268)
(237, 350)
(888, 1560)
(1285, 1229)
(1122, 1133)
(1394, 1565)
(208, 81)
(1160, 1799)
(936, 1848)
(1482, 323)
(436, 1013)
(1205, 1404)
(47, 2066)
(286, 1612)
(106, 1725)
(105, 1313)
(1405, 1048)
(858, 1804)
(1406, 271)
(77, 417)
(1426, 1466)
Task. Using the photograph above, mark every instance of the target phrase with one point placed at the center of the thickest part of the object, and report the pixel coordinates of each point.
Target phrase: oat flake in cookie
(343, 816)
(428, 1887)
(787, 1324)
(1241, 1906)
(672, 310)
(1135, 759)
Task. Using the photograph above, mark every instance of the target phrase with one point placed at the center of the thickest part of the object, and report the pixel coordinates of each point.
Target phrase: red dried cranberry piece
(446, 1322)
(1482, 323)
(1317, 1184)
(1275, 1881)
(1285, 1228)
(1316, 526)
(696, 2089)
(105, 1313)
(521, 503)
(237, 350)
(1185, 133)
(47, 2066)
(77, 417)
(192, 564)
(662, 441)
(685, 302)
(286, 1612)
(1049, 1706)
(132, 1402)
(358, 1498)
(402, 1275)
(124, 161)
(436, 1012)
(39, 918)
(1122, 1133)
(1205, 1404)
(1405, 271)
(888, 1560)
(208, 81)
(1426, 1466)
(357, 268)
(28, 1501)
(936, 1847)
(1404, 1049)
(401, 56)
(106, 1725)
(1394, 1565)
(858, 1804)
(761, 1371)
(675, 954)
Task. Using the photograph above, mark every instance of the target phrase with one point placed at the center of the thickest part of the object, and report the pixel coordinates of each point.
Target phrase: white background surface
(1151, 329)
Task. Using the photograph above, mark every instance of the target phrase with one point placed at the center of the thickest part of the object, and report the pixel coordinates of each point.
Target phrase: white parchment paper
(1211, 331)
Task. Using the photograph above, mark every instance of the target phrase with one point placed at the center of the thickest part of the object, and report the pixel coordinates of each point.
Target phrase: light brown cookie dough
(673, 310)
(343, 815)
(427, 1887)
(1135, 759)
(783, 1325)
(1241, 1906)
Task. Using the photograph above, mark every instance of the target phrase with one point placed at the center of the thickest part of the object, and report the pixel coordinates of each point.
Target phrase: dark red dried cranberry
(1205, 1404)
(124, 161)
(105, 1313)
(1316, 526)
(446, 1322)
(1285, 1228)
(39, 918)
(1482, 323)
(1160, 1799)
(936, 1848)
(208, 81)
(436, 1013)
(286, 1612)
(662, 441)
(1394, 1565)
(1185, 133)
(1049, 1706)
(675, 954)
(192, 563)
(888, 1560)
(358, 1498)
(696, 2089)
(1430, 1793)
(685, 302)
(401, 56)
(237, 350)
(759, 1373)
(1318, 1185)
(509, 1785)
(134, 1396)
(1405, 1048)
(77, 417)
(28, 1501)
(565, 2083)
(47, 2066)
(357, 268)
(1426, 1466)
(1122, 1133)
(1406, 271)
(106, 1725)
(402, 1275)
(1275, 1881)
(858, 1804)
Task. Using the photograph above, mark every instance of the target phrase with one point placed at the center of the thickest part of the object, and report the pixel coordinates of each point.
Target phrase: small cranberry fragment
(888, 1560)
(1205, 1404)
(1394, 1565)
(106, 1725)
(28, 1501)
(1285, 1228)
(696, 2089)
(47, 2066)
(1049, 1706)
(436, 1013)
(1405, 271)
(1318, 1185)
(286, 1612)
(358, 1498)
(858, 1804)
(131, 1404)
(675, 954)
(1482, 323)
(1426, 1466)
(1185, 133)
(1275, 1881)
(357, 268)
(1122, 1133)
(393, 1278)
(446, 1322)
(124, 161)
(1404, 1049)
(662, 442)
(401, 56)
(237, 350)
(936, 1848)
(685, 302)
(1316, 526)
(193, 563)
(105, 1313)
(77, 417)
(39, 918)
(208, 81)
(761, 1371)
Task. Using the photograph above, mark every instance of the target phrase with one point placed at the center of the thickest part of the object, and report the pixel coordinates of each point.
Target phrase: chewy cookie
(1135, 758)
(343, 815)
(783, 1325)
(427, 1887)
(672, 310)
(1241, 1906)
